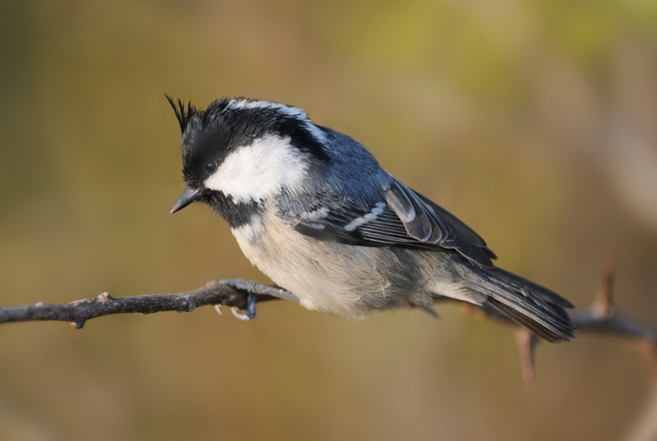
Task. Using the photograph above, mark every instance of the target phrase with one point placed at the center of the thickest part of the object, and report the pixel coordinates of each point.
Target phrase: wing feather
(402, 218)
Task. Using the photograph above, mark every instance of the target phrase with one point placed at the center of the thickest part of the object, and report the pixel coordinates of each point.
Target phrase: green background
(532, 120)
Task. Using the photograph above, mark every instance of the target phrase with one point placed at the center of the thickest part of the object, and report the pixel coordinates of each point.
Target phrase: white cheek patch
(259, 170)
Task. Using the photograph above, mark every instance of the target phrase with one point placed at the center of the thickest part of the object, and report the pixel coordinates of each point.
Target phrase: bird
(313, 210)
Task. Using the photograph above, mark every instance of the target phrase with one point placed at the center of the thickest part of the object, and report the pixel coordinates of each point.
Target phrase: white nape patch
(261, 169)
(294, 112)
(371, 216)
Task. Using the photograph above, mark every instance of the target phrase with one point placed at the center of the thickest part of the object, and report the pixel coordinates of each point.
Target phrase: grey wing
(400, 218)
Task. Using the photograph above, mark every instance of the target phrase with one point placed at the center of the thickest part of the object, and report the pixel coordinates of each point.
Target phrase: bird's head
(245, 151)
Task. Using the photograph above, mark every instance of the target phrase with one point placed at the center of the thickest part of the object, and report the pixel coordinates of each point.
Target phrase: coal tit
(312, 209)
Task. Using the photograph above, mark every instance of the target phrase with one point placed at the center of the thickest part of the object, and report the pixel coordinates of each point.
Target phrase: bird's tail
(529, 304)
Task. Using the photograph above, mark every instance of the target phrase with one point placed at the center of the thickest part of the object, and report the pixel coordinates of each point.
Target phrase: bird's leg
(253, 289)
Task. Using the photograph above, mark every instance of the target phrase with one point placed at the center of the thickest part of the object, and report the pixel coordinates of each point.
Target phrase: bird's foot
(249, 312)
(253, 289)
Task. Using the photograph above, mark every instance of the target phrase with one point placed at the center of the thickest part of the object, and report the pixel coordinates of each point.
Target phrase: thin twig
(527, 344)
(79, 311)
(602, 318)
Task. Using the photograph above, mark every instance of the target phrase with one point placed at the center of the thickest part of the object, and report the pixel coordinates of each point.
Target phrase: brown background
(532, 120)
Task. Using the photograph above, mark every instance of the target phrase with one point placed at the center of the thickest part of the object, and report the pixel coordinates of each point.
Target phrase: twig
(602, 318)
(605, 319)
(527, 344)
(79, 311)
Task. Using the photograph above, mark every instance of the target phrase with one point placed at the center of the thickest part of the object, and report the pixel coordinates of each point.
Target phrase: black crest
(182, 113)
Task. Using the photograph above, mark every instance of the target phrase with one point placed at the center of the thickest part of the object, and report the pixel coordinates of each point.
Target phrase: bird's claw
(250, 312)
(252, 289)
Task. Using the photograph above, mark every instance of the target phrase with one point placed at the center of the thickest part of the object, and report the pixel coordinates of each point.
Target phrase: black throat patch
(236, 214)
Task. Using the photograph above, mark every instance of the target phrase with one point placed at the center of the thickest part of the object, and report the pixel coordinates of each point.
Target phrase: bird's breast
(326, 276)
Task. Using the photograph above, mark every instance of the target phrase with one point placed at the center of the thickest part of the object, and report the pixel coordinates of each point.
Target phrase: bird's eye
(211, 166)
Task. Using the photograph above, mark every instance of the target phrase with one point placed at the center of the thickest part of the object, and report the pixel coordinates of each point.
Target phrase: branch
(603, 318)
(79, 311)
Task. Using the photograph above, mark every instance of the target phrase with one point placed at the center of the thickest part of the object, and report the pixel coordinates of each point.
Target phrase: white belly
(346, 283)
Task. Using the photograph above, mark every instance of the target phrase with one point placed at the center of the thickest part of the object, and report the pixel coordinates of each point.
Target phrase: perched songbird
(312, 209)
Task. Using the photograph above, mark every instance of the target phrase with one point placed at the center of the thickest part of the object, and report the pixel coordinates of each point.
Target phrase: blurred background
(534, 121)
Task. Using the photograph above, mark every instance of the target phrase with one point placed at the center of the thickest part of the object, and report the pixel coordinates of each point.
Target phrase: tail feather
(546, 294)
(527, 303)
(545, 332)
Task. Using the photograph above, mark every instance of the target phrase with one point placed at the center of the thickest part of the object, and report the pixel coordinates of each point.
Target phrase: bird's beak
(185, 199)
